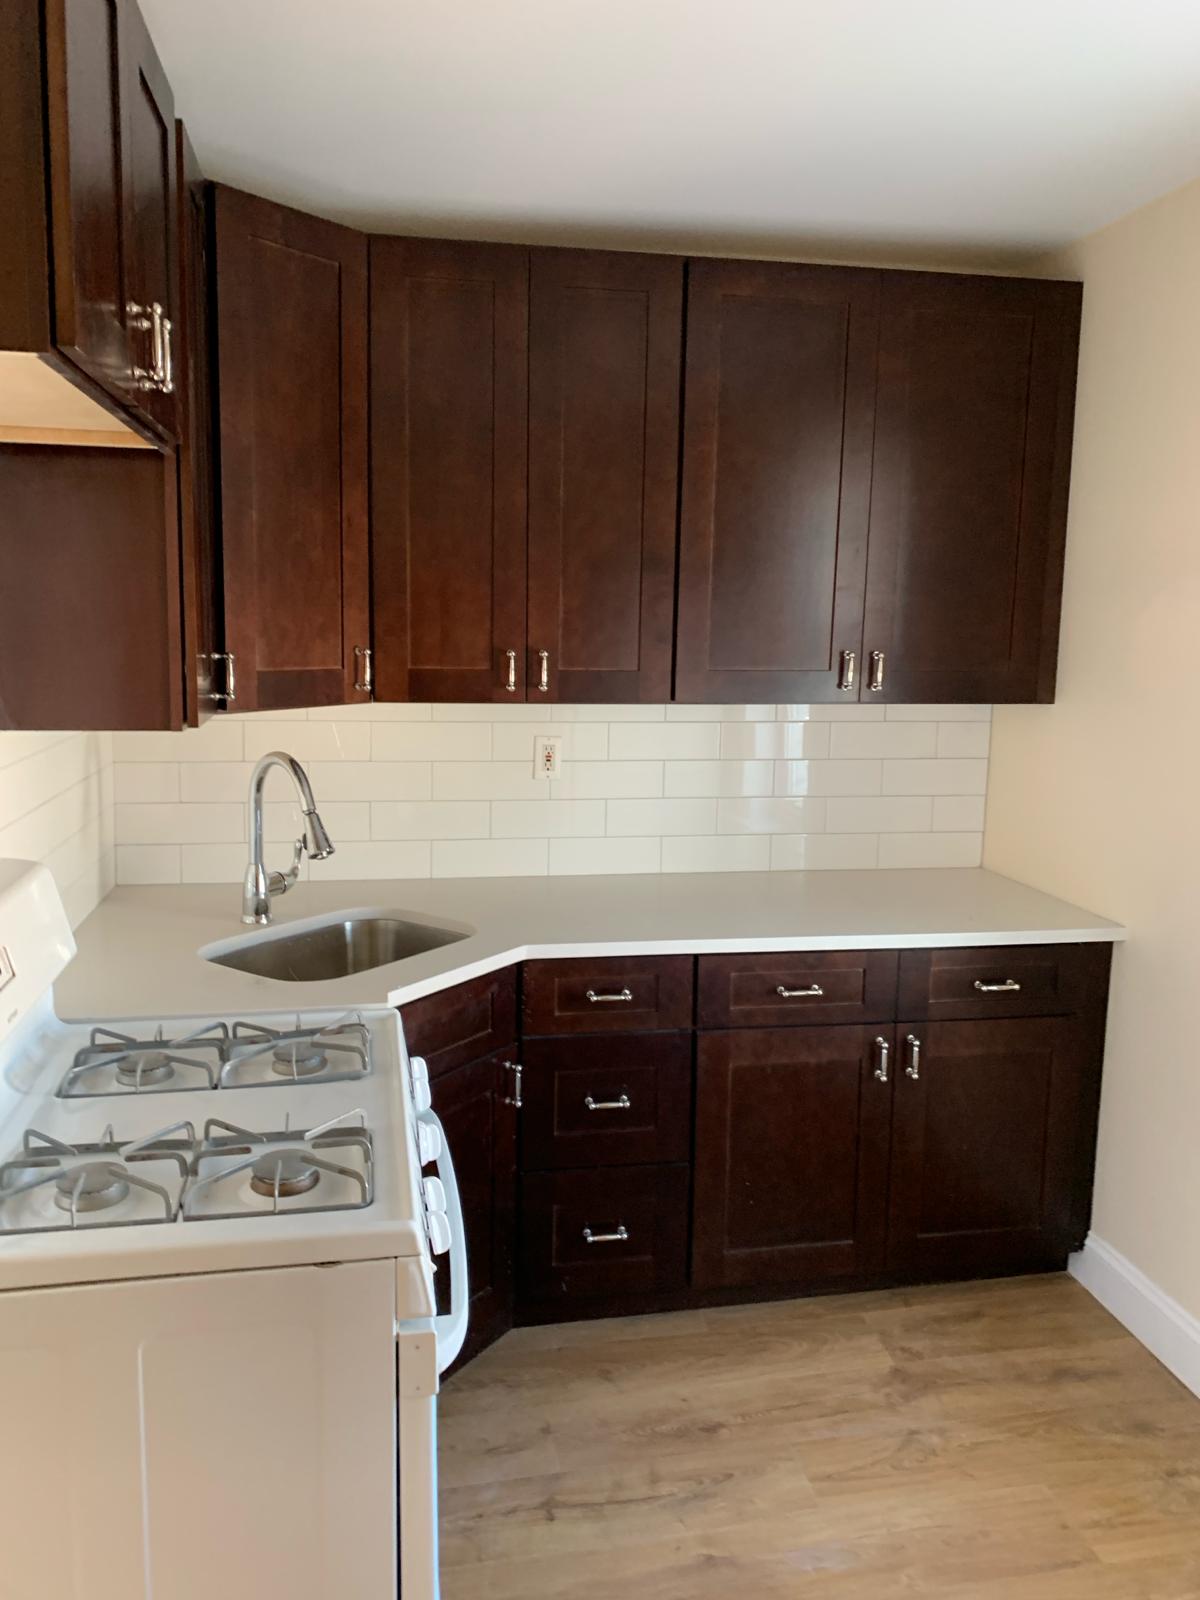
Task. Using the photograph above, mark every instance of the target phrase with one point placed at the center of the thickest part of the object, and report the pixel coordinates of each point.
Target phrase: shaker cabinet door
(604, 352)
(292, 382)
(778, 407)
(969, 493)
(791, 1155)
(449, 379)
(992, 1120)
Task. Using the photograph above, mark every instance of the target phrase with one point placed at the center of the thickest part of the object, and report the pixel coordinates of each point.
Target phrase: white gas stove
(215, 1230)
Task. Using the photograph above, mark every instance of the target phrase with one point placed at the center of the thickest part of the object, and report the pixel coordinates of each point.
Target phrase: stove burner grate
(146, 1064)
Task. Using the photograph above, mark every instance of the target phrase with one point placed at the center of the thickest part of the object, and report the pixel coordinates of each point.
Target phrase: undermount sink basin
(333, 949)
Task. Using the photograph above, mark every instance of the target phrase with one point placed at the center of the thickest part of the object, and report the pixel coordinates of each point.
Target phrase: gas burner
(55, 1185)
(259, 1056)
(235, 1170)
(94, 1186)
(284, 1173)
(121, 1063)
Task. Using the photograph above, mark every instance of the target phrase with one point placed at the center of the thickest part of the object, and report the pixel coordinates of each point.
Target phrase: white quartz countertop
(139, 950)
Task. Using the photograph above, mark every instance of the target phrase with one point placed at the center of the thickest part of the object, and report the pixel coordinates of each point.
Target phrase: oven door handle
(451, 1329)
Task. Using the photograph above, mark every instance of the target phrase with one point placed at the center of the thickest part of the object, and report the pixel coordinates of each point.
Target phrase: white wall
(56, 806)
(1097, 798)
(449, 791)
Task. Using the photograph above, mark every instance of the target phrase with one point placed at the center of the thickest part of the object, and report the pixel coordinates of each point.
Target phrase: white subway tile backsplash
(859, 741)
(451, 789)
(223, 863)
(934, 777)
(490, 858)
(724, 853)
(930, 849)
(684, 778)
(795, 852)
(771, 816)
(546, 819)
(880, 814)
(588, 857)
(427, 819)
(661, 817)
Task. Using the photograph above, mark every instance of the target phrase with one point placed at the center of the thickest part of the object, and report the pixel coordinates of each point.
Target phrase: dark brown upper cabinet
(605, 332)
(291, 296)
(778, 409)
(87, 261)
(969, 489)
(449, 376)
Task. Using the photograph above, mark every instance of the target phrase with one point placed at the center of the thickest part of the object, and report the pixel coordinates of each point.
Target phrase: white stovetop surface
(138, 951)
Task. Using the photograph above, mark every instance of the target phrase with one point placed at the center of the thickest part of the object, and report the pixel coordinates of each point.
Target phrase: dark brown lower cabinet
(473, 1102)
(992, 1138)
(603, 1232)
(791, 1155)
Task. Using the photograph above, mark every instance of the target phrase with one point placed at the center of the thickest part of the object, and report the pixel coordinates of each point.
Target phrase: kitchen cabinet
(87, 266)
(791, 1168)
(605, 332)
(779, 398)
(449, 432)
(992, 1121)
(291, 315)
(973, 419)
(477, 1110)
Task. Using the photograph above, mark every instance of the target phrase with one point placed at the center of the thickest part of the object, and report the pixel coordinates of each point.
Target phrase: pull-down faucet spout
(260, 884)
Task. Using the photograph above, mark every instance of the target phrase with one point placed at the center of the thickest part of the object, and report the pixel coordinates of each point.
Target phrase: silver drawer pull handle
(913, 1069)
(601, 999)
(876, 683)
(619, 1237)
(364, 678)
(544, 672)
(622, 1104)
(510, 682)
(813, 989)
(517, 1071)
(1009, 986)
(882, 1051)
(846, 670)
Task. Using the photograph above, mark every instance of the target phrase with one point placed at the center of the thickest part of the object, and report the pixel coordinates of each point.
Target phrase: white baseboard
(1160, 1323)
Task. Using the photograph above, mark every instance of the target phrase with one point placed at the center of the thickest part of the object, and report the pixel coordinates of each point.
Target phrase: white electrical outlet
(547, 755)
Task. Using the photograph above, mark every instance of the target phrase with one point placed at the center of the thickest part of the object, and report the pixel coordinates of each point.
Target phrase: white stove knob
(437, 1226)
(429, 1141)
(435, 1196)
(419, 1073)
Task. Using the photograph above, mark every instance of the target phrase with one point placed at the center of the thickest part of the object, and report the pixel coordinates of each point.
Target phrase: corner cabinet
(291, 325)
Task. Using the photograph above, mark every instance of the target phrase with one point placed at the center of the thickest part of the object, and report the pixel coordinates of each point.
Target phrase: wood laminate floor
(997, 1440)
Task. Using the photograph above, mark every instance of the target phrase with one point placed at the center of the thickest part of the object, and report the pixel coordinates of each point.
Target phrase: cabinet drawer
(997, 981)
(588, 1234)
(615, 1101)
(463, 1023)
(821, 986)
(611, 995)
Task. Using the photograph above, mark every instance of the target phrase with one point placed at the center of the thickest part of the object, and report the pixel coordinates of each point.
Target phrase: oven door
(425, 1348)
(179, 1438)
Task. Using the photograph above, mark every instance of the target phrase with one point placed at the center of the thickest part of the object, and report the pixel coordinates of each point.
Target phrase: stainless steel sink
(333, 949)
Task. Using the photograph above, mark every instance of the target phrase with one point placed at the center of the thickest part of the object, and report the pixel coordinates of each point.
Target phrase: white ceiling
(907, 129)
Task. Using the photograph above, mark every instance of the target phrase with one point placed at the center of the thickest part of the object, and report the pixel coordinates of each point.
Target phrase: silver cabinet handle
(364, 679)
(1009, 986)
(167, 375)
(517, 1070)
(230, 691)
(619, 1237)
(544, 674)
(603, 999)
(623, 1103)
(882, 1052)
(510, 682)
(814, 989)
(876, 682)
(913, 1069)
(846, 670)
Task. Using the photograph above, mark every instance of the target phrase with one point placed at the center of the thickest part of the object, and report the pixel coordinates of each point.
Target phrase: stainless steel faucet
(315, 842)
